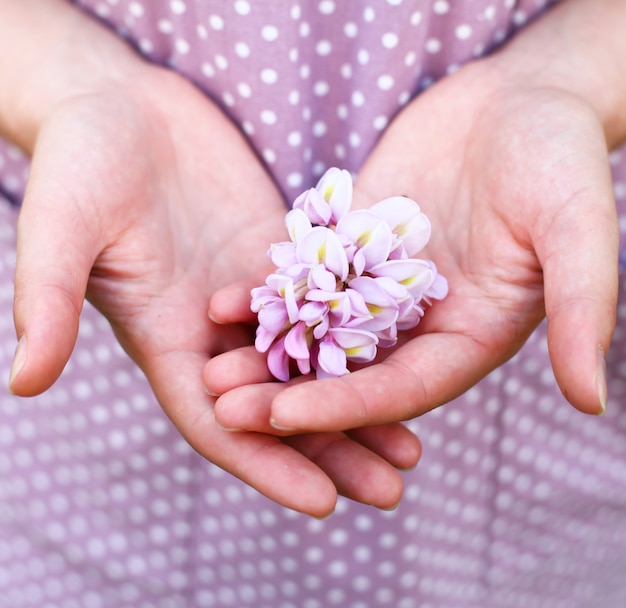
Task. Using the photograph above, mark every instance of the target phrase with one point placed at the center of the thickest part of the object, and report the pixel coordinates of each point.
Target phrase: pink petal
(304, 366)
(263, 339)
(278, 361)
(406, 221)
(358, 345)
(371, 235)
(320, 278)
(382, 307)
(336, 187)
(283, 254)
(415, 275)
(298, 224)
(315, 206)
(312, 313)
(340, 310)
(291, 303)
(320, 330)
(322, 246)
(273, 317)
(439, 287)
(411, 318)
(331, 358)
(357, 303)
(296, 342)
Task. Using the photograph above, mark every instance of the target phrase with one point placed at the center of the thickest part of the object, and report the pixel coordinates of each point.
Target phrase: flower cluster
(345, 283)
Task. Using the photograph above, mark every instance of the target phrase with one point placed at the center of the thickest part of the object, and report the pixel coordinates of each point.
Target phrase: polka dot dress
(519, 500)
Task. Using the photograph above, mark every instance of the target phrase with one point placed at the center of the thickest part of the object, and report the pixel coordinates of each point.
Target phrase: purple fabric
(518, 501)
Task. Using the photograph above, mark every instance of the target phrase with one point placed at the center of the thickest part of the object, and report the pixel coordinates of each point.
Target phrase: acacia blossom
(345, 283)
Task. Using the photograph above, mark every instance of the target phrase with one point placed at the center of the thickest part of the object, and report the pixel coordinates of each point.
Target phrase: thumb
(55, 253)
(579, 255)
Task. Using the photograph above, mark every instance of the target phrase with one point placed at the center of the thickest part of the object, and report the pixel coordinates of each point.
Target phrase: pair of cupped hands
(149, 201)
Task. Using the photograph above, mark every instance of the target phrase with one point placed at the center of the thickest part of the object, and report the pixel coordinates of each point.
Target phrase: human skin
(139, 196)
(508, 157)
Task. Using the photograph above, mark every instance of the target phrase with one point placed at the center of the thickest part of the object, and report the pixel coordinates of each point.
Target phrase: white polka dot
(385, 82)
(202, 31)
(294, 138)
(268, 117)
(136, 9)
(433, 45)
(242, 7)
(178, 7)
(182, 46)
(342, 111)
(216, 22)
(296, 12)
(416, 18)
(269, 76)
(358, 99)
(346, 70)
(323, 47)
(304, 29)
(441, 7)
(269, 156)
(269, 33)
(394, 2)
(319, 128)
(363, 57)
(165, 26)
(380, 123)
(294, 180)
(351, 29)
(463, 31)
(327, 7)
(321, 88)
(368, 14)
(390, 40)
(221, 62)
(520, 17)
(354, 139)
(490, 12)
(242, 49)
(244, 89)
(294, 97)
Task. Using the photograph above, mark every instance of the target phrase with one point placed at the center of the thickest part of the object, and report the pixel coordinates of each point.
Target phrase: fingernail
(18, 360)
(601, 381)
(209, 392)
(278, 427)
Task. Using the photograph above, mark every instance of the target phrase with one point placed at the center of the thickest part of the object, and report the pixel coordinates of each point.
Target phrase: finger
(393, 442)
(264, 462)
(235, 368)
(579, 255)
(358, 473)
(56, 247)
(424, 373)
(231, 304)
(248, 407)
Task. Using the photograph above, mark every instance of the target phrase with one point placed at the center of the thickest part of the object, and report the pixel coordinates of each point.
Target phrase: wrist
(62, 54)
(578, 48)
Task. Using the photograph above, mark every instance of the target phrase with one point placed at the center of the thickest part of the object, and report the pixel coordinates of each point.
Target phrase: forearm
(50, 51)
(580, 47)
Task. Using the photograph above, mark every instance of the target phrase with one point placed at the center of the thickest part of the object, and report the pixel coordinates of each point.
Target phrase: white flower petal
(406, 221)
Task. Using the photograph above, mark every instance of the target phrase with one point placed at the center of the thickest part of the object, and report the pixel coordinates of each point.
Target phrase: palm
(150, 240)
(517, 187)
